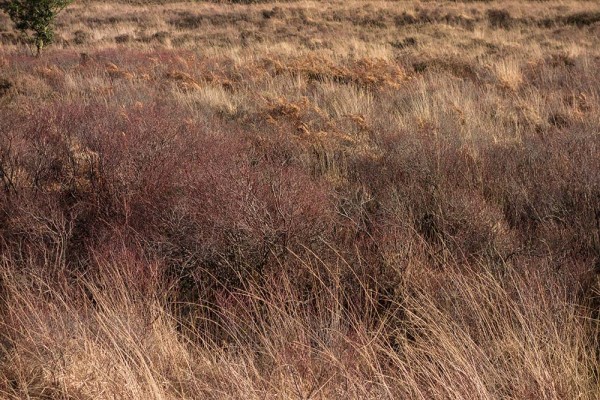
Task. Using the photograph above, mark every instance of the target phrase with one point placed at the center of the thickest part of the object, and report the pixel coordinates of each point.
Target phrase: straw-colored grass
(302, 200)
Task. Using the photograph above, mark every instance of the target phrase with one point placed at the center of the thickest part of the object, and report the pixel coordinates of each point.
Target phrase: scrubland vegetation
(302, 200)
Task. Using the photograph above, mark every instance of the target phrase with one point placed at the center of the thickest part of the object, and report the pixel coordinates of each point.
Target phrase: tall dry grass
(457, 334)
(302, 200)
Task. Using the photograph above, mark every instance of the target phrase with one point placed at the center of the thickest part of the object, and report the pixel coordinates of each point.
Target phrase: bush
(499, 18)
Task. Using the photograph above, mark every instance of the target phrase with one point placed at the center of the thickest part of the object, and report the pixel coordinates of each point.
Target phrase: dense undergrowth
(302, 200)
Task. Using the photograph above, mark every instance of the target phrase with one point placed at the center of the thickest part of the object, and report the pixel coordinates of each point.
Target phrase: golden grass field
(302, 200)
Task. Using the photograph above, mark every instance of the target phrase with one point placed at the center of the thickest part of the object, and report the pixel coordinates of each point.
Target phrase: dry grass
(460, 334)
(309, 200)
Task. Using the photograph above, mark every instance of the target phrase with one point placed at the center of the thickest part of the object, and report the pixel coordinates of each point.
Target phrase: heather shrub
(582, 18)
(5, 86)
(499, 18)
(164, 182)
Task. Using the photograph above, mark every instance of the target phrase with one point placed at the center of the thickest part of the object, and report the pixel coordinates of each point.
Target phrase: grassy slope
(302, 200)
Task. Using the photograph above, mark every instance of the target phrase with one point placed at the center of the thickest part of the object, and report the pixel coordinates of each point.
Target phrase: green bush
(35, 18)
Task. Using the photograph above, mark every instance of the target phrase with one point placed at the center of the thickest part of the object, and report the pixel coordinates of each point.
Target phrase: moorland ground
(341, 199)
